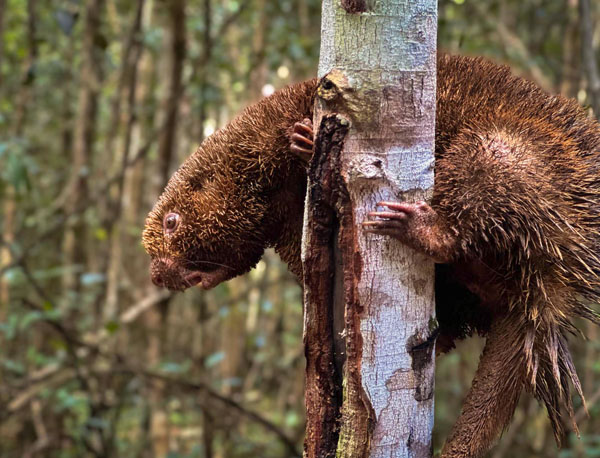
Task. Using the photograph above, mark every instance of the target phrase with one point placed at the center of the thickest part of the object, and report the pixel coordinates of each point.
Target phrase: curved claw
(404, 207)
(384, 227)
(388, 215)
(414, 224)
(301, 139)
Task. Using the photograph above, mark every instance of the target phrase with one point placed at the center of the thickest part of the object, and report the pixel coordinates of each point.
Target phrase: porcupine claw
(404, 219)
(414, 224)
(302, 140)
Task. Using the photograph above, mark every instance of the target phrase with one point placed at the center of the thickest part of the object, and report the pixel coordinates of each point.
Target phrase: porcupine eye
(171, 222)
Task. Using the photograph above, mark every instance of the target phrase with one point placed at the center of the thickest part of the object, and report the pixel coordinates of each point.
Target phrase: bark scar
(323, 375)
(420, 349)
(354, 6)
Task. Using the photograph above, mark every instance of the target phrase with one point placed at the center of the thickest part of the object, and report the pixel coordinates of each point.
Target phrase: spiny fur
(517, 189)
(517, 179)
(238, 193)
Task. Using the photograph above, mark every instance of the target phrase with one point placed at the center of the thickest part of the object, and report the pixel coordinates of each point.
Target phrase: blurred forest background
(100, 100)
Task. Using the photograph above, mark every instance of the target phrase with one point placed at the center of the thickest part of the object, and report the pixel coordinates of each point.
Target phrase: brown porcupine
(513, 224)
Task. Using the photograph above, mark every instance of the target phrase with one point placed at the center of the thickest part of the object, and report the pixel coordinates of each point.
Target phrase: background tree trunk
(156, 317)
(2, 9)
(588, 54)
(84, 136)
(127, 89)
(376, 118)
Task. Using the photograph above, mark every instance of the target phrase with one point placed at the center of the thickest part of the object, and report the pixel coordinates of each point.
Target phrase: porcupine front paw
(301, 140)
(414, 224)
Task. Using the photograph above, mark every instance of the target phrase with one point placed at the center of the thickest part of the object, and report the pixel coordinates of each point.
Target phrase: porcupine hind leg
(494, 393)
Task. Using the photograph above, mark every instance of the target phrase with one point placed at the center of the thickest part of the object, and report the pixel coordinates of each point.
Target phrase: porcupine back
(518, 178)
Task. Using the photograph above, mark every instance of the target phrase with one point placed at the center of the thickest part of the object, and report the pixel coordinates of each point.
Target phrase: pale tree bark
(369, 301)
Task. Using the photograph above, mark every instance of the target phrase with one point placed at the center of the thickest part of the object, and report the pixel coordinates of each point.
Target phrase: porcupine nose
(159, 271)
(158, 280)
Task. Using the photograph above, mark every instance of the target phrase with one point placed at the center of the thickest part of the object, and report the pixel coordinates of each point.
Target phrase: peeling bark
(323, 387)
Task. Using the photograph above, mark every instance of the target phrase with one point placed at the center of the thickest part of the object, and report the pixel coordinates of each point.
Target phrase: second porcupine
(513, 224)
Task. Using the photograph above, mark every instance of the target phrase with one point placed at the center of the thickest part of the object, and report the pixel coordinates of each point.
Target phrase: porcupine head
(232, 198)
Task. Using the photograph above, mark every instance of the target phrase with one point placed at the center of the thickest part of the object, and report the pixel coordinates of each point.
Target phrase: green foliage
(16, 167)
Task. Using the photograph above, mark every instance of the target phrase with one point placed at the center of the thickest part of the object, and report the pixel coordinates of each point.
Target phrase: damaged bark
(323, 389)
(369, 301)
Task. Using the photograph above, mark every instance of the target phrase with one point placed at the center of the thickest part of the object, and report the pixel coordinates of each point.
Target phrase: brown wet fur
(240, 192)
(517, 199)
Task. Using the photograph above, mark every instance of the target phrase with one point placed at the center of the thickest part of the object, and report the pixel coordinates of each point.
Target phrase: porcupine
(513, 226)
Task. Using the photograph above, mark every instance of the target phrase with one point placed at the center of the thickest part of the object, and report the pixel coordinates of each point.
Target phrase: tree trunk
(369, 301)
(83, 141)
(571, 68)
(589, 55)
(177, 50)
(201, 70)
(9, 206)
(127, 87)
(2, 9)
(259, 68)
(155, 318)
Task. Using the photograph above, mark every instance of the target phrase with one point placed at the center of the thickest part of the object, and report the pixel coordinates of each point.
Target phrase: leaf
(92, 278)
(232, 381)
(13, 366)
(260, 341)
(214, 359)
(69, 401)
(16, 171)
(9, 328)
(173, 367)
(101, 234)
(112, 327)
(292, 419)
(47, 306)
(66, 20)
(97, 423)
(30, 318)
